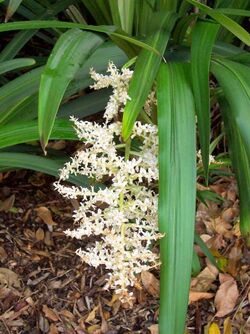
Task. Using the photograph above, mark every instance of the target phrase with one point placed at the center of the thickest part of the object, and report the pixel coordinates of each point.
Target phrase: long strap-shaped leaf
(203, 38)
(69, 53)
(17, 90)
(225, 21)
(241, 166)
(177, 193)
(234, 78)
(26, 131)
(109, 30)
(40, 164)
(14, 64)
(12, 7)
(146, 68)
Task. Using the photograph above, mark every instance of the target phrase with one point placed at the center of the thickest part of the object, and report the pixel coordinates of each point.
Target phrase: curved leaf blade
(234, 78)
(14, 64)
(177, 192)
(109, 30)
(241, 166)
(16, 91)
(203, 38)
(225, 21)
(39, 164)
(69, 53)
(26, 131)
(146, 68)
(12, 7)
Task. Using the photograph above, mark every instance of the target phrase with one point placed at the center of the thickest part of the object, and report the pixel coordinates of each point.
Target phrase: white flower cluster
(123, 214)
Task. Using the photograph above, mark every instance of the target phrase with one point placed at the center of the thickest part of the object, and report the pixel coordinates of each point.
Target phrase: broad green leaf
(26, 131)
(177, 192)
(14, 64)
(203, 38)
(12, 7)
(17, 90)
(39, 164)
(18, 98)
(86, 105)
(146, 68)
(143, 14)
(225, 21)
(126, 10)
(182, 26)
(234, 11)
(70, 52)
(231, 5)
(99, 10)
(241, 165)
(109, 30)
(234, 78)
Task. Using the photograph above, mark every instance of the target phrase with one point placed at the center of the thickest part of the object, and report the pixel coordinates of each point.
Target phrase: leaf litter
(44, 287)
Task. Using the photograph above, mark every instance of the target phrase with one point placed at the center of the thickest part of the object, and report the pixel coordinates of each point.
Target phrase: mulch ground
(45, 288)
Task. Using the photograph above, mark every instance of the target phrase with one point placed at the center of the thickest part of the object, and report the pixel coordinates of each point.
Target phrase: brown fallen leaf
(43, 324)
(203, 282)
(227, 326)
(39, 234)
(9, 278)
(234, 258)
(154, 329)
(91, 315)
(194, 296)
(213, 329)
(7, 204)
(3, 254)
(221, 226)
(67, 314)
(150, 283)
(227, 295)
(229, 215)
(45, 214)
(53, 329)
(49, 313)
(94, 329)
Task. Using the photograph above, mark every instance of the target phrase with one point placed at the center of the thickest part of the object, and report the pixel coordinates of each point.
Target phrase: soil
(45, 288)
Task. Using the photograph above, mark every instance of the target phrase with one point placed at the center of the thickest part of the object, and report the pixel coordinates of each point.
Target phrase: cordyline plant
(176, 46)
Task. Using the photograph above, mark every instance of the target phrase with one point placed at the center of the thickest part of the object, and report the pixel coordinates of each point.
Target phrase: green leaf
(203, 38)
(234, 11)
(39, 164)
(225, 21)
(86, 105)
(122, 12)
(177, 192)
(14, 64)
(196, 266)
(205, 249)
(70, 52)
(16, 91)
(234, 78)
(241, 165)
(12, 7)
(109, 30)
(99, 10)
(26, 131)
(146, 68)
(18, 98)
